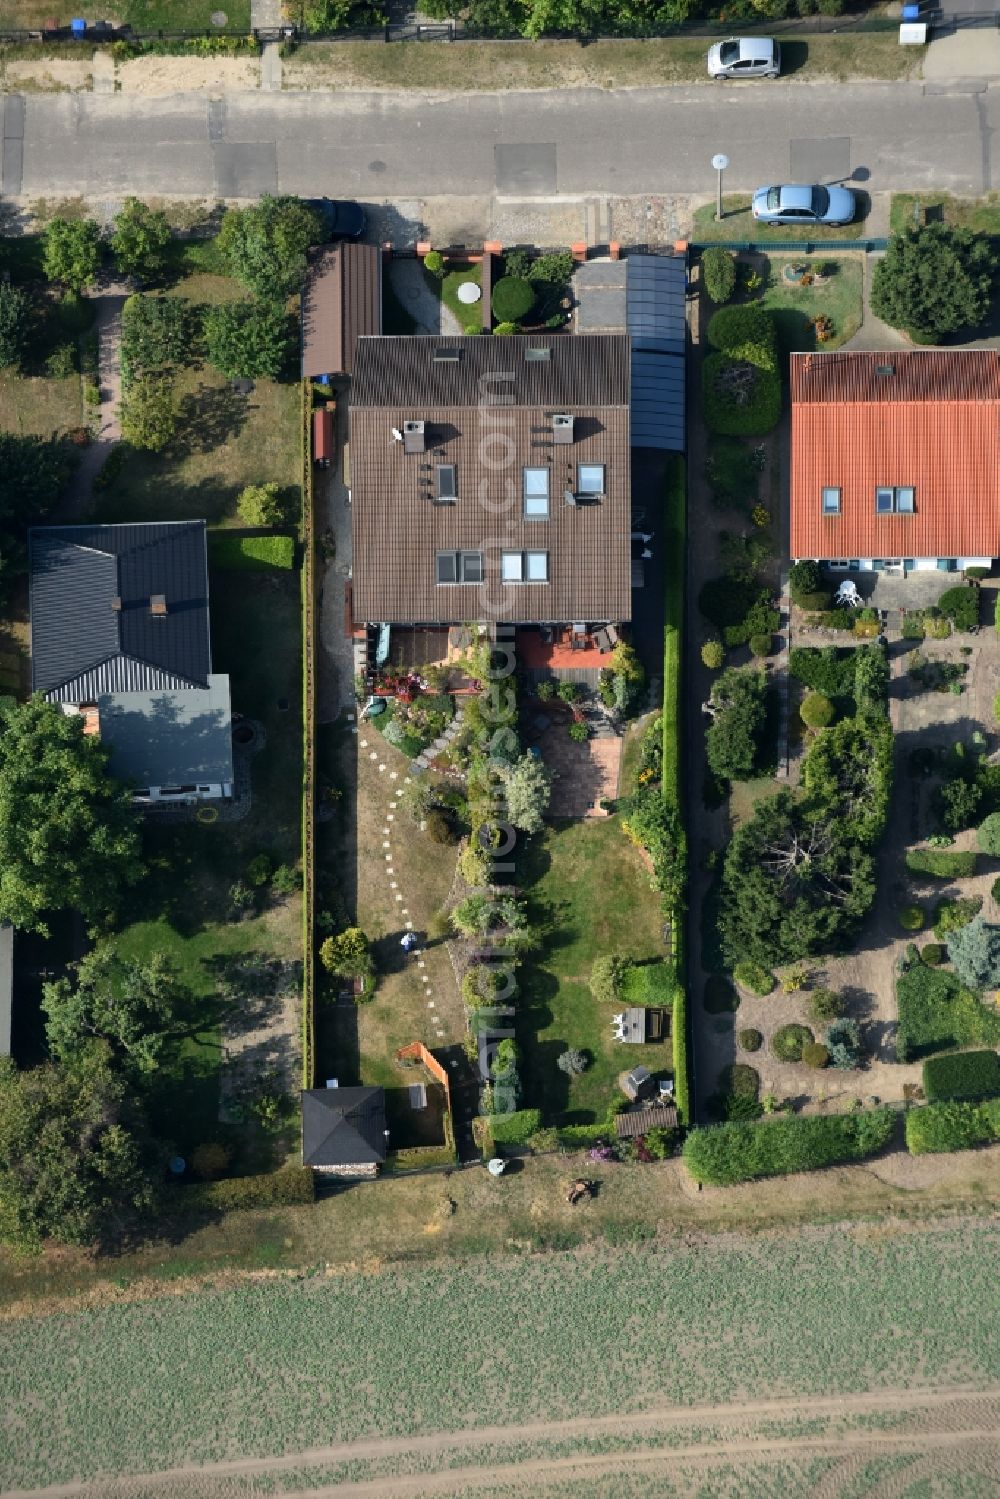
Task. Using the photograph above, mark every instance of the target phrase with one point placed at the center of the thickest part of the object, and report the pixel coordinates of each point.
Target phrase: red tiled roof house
(896, 459)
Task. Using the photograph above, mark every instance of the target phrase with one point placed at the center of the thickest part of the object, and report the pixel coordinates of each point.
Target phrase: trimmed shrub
(825, 1004)
(911, 918)
(831, 671)
(760, 645)
(962, 1074)
(816, 711)
(512, 299)
(995, 889)
(438, 827)
(718, 271)
(750, 1040)
(952, 1126)
(941, 864)
(974, 949)
(961, 606)
(288, 1187)
(516, 1128)
(949, 915)
(434, 263)
(843, 1041)
(210, 1161)
(988, 835)
(741, 398)
(572, 1061)
(730, 1153)
(933, 954)
(713, 654)
(789, 1042)
(746, 333)
(936, 1012)
(607, 977)
(720, 997)
(755, 977)
(814, 1054)
(804, 579)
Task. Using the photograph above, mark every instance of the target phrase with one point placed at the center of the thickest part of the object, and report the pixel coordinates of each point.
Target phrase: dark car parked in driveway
(340, 219)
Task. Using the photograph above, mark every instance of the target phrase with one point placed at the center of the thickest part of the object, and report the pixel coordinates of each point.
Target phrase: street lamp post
(720, 163)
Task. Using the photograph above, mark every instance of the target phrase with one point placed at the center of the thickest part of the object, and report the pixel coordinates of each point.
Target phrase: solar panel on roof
(655, 319)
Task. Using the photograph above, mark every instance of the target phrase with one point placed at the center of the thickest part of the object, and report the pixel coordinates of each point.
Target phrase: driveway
(409, 281)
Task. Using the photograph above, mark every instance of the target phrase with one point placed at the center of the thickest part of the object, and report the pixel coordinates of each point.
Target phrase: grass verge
(469, 66)
(739, 225)
(911, 210)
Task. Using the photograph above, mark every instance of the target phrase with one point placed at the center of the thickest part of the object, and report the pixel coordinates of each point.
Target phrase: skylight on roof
(535, 355)
(447, 355)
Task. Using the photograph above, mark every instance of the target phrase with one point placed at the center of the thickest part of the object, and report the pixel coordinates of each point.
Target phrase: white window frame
(532, 559)
(827, 506)
(509, 561)
(535, 500)
(584, 488)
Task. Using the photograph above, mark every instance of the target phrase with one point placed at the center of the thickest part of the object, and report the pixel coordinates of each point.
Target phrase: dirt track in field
(936, 1428)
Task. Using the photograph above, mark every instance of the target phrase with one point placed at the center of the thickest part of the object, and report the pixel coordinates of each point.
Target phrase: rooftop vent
(535, 355)
(885, 370)
(158, 605)
(447, 355)
(414, 437)
(116, 603)
(562, 428)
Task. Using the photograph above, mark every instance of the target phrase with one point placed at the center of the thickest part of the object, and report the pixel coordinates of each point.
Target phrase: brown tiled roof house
(896, 458)
(490, 479)
(341, 302)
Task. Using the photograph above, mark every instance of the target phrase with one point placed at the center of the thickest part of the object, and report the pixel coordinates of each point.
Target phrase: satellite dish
(397, 436)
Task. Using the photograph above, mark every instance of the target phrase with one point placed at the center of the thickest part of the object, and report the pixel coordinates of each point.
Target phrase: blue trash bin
(911, 13)
(78, 27)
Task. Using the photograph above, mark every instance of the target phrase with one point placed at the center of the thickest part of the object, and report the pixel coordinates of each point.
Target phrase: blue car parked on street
(804, 205)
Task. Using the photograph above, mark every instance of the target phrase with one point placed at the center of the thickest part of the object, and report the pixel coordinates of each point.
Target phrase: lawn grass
(251, 553)
(142, 15)
(981, 215)
(469, 317)
(839, 297)
(600, 64)
(738, 224)
(358, 1043)
(40, 406)
(589, 890)
(182, 908)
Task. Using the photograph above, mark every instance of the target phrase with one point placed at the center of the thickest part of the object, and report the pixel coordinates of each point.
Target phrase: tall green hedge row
(737, 1152)
(675, 519)
(952, 1126)
(962, 1074)
(289, 1187)
(942, 863)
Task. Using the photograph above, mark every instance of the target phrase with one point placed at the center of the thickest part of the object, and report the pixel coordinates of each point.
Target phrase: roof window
(536, 493)
(830, 500)
(901, 500)
(447, 355)
(536, 355)
(447, 482)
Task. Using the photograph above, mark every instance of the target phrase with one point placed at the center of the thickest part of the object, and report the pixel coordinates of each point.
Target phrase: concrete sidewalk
(966, 56)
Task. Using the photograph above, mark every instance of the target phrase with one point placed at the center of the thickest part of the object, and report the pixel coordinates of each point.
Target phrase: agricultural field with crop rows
(282, 1366)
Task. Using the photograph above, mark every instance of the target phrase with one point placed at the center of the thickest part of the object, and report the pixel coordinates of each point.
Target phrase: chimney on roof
(158, 605)
(116, 604)
(414, 437)
(562, 428)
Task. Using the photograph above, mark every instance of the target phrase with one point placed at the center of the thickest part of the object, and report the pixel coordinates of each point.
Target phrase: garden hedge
(718, 271)
(730, 1153)
(963, 1075)
(747, 333)
(961, 605)
(516, 1128)
(941, 863)
(512, 299)
(250, 553)
(288, 1187)
(674, 524)
(753, 418)
(952, 1126)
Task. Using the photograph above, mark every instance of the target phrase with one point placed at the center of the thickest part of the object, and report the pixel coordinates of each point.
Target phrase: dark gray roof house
(120, 629)
(343, 1130)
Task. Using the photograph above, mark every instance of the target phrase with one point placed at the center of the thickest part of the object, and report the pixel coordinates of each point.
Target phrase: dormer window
(830, 500)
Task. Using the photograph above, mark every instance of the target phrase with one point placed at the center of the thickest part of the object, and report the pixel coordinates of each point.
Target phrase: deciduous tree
(16, 317)
(247, 340)
(140, 239)
(69, 833)
(528, 786)
(732, 742)
(71, 252)
(265, 245)
(135, 1006)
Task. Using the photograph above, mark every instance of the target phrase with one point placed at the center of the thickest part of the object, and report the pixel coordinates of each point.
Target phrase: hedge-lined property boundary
(962, 1075)
(952, 1126)
(308, 748)
(289, 1187)
(729, 1153)
(674, 517)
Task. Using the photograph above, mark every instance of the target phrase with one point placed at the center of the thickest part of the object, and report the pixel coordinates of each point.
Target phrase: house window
(905, 498)
(854, 564)
(838, 565)
(831, 500)
(447, 486)
(524, 567)
(884, 502)
(590, 478)
(947, 564)
(899, 501)
(460, 567)
(536, 493)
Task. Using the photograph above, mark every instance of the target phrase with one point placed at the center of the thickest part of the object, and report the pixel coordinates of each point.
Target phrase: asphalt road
(517, 145)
